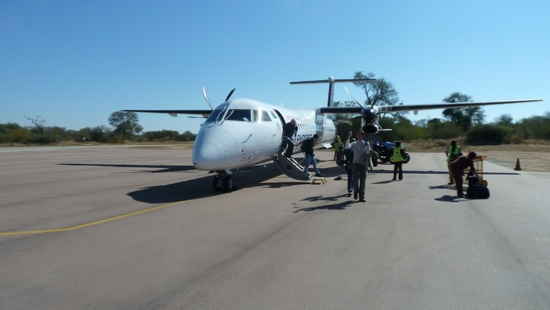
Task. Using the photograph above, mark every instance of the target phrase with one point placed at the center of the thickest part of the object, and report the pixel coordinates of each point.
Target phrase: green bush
(487, 134)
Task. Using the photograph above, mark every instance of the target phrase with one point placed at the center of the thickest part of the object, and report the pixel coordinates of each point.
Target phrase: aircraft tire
(407, 158)
(228, 184)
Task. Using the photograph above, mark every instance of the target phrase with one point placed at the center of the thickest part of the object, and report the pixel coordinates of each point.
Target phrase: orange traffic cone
(518, 167)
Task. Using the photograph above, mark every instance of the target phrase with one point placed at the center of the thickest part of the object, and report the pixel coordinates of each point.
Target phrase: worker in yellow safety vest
(338, 146)
(453, 152)
(398, 158)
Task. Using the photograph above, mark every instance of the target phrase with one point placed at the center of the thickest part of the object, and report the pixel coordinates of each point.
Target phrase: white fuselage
(242, 132)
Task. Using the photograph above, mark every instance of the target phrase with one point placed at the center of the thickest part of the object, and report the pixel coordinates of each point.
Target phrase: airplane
(243, 132)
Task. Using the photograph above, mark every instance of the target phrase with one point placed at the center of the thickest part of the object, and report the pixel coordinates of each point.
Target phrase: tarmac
(133, 228)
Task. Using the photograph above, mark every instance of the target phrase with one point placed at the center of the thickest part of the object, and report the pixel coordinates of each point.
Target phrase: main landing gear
(223, 182)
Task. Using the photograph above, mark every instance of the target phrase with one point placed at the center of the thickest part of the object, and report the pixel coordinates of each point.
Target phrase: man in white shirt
(361, 150)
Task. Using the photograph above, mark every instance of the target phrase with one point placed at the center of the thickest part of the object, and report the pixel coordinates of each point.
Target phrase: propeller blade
(359, 103)
(230, 93)
(206, 97)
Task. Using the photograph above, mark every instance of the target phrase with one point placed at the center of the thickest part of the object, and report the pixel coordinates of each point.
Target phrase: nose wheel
(223, 182)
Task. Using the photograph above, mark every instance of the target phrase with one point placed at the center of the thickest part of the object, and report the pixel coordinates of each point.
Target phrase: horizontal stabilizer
(333, 80)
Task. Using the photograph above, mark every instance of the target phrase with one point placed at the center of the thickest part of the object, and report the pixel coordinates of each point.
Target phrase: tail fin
(331, 82)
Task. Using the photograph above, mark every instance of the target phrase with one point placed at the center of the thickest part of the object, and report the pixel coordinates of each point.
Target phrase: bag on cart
(472, 179)
(478, 191)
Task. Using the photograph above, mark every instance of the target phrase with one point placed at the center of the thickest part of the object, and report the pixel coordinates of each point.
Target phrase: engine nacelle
(370, 129)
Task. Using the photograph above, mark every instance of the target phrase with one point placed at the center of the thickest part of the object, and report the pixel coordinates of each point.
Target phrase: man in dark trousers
(398, 158)
(457, 169)
(348, 166)
(453, 152)
(307, 147)
(289, 130)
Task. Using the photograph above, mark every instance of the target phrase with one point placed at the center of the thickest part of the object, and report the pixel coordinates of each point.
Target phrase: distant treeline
(502, 130)
(14, 133)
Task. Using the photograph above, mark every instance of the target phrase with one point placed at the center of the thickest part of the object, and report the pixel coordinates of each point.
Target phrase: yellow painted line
(12, 233)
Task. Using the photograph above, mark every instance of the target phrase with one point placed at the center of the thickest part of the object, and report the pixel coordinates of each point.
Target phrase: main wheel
(407, 158)
(228, 184)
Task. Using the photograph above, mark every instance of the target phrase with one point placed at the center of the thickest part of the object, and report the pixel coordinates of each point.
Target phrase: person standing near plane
(361, 149)
(348, 166)
(336, 144)
(307, 147)
(289, 130)
(457, 169)
(453, 152)
(398, 158)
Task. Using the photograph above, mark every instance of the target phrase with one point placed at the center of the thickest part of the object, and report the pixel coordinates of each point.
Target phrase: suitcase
(478, 191)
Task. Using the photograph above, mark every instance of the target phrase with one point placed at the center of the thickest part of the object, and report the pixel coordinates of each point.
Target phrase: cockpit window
(239, 115)
(261, 116)
(215, 115)
(265, 116)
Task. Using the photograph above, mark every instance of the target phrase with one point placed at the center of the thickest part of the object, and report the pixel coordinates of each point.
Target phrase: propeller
(370, 116)
(208, 100)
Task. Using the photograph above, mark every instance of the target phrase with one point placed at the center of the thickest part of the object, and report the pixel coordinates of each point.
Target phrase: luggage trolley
(478, 165)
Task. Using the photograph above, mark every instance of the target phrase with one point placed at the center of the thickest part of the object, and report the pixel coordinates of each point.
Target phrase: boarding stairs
(291, 168)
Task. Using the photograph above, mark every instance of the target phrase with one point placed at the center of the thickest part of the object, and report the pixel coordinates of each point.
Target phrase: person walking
(457, 169)
(348, 166)
(453, 152)
(360, 148)
(289, 130)
(307, 147)
(398, 158)
(336, 144)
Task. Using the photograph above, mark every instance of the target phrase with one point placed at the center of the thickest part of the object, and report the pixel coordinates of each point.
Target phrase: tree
(187, 136)
(125, 123)
(463, 118)
(504, 120)
(38, 122)
(380, 92)
(99, 134)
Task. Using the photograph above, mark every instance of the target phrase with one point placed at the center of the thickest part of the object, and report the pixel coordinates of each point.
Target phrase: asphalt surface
(131, 228)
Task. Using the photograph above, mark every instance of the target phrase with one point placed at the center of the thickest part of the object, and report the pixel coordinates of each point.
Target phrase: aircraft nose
(206, 156)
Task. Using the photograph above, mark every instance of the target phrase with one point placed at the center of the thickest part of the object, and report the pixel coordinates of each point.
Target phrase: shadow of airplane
(162, 168)
(198, 187)
(203, 186)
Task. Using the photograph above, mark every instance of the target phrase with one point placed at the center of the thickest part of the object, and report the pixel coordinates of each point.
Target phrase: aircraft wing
(341, 110)
(203, 113)
(418, 107)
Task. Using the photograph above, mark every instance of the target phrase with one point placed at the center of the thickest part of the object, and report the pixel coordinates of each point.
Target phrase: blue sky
(73, 63)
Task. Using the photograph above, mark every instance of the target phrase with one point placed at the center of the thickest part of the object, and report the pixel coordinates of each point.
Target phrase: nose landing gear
(223, 182)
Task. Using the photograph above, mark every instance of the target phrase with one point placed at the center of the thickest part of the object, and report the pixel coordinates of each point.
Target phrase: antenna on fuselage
(331, 80)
